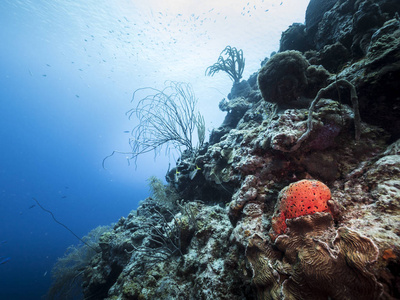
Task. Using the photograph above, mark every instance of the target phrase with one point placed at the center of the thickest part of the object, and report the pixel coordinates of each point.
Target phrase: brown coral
(315, 264)
(283, 79)
(261, 255)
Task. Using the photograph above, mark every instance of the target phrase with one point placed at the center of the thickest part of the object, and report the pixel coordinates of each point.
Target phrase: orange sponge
(304, 197)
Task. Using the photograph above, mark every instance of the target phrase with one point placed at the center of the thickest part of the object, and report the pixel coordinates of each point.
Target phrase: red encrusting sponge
(304, 197)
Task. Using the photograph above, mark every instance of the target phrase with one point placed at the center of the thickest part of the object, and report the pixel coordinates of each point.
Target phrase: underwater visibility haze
(68, 70)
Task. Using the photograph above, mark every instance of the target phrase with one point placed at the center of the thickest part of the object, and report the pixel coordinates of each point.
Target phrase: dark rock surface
(295, 37)
(314, 14)
(353, 40)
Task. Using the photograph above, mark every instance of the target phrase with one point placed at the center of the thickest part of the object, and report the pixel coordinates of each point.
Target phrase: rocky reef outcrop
(322, 113)
(358, 41)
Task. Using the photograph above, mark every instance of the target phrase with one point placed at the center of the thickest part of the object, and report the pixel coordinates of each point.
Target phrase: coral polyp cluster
(304, 197)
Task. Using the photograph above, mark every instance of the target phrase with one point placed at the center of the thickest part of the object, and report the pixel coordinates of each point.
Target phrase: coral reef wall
(285, 201)
(358, 41)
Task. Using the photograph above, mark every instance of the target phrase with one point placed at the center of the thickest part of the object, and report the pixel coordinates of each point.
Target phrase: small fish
(32, 206)
(5, 260)
(45, 273)
(176, 175)
(126, 131)
(3, 242)
(63, 197)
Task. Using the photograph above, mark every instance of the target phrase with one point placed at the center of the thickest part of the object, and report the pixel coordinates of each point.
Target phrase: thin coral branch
(230, 61)
(354, 100)
(163, 240)
(166, 119)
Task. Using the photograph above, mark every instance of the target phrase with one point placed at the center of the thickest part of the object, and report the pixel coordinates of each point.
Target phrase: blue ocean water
(68, 69)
